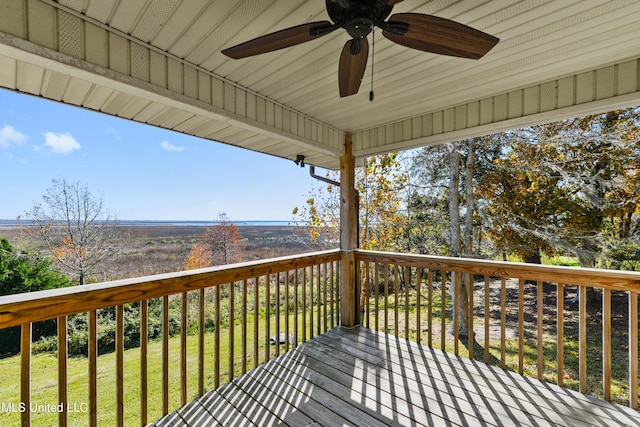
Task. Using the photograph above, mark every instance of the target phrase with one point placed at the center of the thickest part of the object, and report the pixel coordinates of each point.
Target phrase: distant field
(155, 249)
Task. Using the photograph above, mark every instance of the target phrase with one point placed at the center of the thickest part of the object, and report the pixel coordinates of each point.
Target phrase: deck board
(362, 377)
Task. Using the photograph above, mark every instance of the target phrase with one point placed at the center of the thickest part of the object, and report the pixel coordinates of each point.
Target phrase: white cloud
(170, 147)
(113, 133)
(8, 136)
(62, 143)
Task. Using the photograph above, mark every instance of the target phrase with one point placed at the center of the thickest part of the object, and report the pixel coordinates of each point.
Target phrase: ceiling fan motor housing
(358, 18)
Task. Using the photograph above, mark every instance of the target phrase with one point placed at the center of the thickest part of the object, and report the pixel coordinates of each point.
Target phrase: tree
(380, 185)
(75, 226)
(224, 241)
(438, 173)
(428, 201)
(199, 257)
(321, 215)
(568, 187)
(517, 198)
(25, 272)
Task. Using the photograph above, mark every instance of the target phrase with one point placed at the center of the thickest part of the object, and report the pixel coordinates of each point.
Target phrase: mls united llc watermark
(35, 407)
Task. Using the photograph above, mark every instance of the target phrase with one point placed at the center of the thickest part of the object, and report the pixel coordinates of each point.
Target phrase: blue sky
(140, 171)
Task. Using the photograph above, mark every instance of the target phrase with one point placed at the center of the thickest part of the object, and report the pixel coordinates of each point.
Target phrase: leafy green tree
(568, 187)
(423, 234)
(519, 200)
(428, 201)
(24, 272)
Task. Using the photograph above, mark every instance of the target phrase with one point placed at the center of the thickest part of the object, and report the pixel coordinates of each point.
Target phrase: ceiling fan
(358, 17)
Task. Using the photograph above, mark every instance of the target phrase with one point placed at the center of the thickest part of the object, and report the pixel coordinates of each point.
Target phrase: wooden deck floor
(364, 378)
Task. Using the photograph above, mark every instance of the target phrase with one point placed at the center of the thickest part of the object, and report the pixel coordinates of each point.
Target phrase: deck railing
(536, 320)
(236, 316)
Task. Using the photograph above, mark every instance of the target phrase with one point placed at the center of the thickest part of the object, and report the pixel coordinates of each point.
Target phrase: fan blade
(442, 36)
(352, 66)
(280, 39)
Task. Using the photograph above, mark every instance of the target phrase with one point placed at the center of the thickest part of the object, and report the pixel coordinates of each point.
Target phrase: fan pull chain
(373, 54)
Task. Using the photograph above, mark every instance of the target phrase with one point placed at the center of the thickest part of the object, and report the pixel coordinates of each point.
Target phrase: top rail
(42, 305)
(606, 279)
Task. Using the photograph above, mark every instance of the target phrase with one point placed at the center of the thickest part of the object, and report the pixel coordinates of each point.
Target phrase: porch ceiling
(159, 62)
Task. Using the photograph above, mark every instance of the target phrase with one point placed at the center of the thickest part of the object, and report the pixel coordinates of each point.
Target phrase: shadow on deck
(366, 378)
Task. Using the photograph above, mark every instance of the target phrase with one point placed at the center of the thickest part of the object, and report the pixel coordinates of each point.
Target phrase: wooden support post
(349, 286)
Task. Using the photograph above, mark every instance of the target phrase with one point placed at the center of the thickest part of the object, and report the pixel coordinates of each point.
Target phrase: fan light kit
(358, 18)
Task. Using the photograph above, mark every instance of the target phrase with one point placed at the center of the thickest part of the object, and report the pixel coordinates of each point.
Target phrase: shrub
(25, 272)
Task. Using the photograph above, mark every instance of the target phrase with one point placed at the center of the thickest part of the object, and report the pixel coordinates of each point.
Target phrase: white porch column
(349, 286)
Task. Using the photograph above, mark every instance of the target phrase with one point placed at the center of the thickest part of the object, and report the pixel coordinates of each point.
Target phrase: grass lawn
(44, 380)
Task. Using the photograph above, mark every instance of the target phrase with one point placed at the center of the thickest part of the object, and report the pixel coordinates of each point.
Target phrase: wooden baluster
(521, 326)
(216, 337)
(183, 348)
(487, 317)
(418, 305)
(256, 317)
(582, 338)
(470, 315)
(407, 282)
(606, 343)
(367, 303)
(201, 326)
(455, 284)
(62, 371)
(304, 304)
(267, 326)
(376, 278)
(633, 349)
(396, 289)
(165, 355)
(120, 365)
(295, 307)
(93, 368)
(443, 309)
(385, 272)
(278, 314)
(25, 372)
(503, 322)
(144, 362)
(232, 330)
(338, 300)
(244, 326)
(540, 319)
(430, 308)
(560, 334)
(311, 305)
(318, 304)
(287, 311)
(331, 298)
(325, 299)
